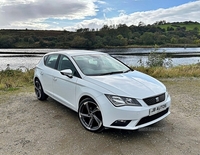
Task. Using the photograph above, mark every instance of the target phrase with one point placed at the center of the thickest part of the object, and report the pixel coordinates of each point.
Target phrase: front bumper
(131, 117)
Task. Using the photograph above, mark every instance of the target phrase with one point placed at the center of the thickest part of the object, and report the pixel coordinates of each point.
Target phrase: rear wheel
(90, 115)
(39, 91)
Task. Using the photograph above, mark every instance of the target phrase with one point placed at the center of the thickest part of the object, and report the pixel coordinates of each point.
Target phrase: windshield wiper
(127, 71)
(110, 73)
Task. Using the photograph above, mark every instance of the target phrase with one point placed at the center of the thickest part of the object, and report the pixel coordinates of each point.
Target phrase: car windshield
(99, 64)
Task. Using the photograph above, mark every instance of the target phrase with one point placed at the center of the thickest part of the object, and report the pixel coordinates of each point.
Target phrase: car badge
(157, 99)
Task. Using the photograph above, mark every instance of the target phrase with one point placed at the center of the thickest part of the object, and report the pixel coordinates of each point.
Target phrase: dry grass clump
(178, 71)
(14, 79)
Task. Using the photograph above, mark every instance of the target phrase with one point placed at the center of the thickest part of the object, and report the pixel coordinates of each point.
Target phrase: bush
(156, 59)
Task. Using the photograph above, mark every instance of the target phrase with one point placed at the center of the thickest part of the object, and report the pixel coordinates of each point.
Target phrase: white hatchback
(105, 92)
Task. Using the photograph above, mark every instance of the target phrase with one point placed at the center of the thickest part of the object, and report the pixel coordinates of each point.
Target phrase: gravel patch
(29, 126)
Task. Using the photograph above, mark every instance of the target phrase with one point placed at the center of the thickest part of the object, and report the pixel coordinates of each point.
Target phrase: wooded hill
(161, 33)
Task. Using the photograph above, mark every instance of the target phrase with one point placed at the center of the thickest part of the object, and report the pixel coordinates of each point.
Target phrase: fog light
(120, 123)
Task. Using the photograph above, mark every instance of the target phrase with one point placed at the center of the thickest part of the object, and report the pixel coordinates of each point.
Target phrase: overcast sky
(74, 14)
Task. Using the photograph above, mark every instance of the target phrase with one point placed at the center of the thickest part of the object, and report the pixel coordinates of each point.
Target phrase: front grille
(155, 99)
(153, 117)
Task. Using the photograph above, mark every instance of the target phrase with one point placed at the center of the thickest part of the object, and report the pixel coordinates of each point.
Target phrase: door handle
(41, 73)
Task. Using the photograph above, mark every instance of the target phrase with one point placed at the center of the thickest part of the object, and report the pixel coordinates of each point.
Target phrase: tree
(141, 24)
(6, 42)
(174, 40)
(30, 40)
(79, 42)
(98, 42)
(122, 40)
(148, 38)
(105, 28)
(124, 30)
(42, 44)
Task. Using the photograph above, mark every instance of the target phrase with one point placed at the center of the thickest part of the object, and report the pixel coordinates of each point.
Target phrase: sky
(71, 15)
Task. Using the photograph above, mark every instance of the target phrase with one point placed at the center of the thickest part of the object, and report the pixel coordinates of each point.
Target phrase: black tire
(39, 91)
(90, 115)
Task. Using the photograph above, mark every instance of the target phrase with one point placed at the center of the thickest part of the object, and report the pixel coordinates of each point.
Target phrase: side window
(65, 63)
(50, 60)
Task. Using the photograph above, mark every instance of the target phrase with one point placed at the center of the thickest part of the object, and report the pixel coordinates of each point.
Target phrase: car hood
(132, 84)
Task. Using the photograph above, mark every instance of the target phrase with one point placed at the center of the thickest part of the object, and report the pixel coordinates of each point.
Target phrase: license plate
(158, 109)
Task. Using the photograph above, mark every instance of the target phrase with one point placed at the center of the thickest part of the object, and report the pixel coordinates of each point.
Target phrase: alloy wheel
(90, 115)
(38, 89)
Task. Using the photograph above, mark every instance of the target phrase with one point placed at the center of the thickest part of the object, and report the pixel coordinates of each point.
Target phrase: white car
(105, 92)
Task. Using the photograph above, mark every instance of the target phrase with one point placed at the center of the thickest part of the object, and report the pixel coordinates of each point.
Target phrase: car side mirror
(67, 72)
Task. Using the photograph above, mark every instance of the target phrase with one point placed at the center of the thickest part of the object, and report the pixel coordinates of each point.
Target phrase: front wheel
(39, 91)
(90, 115)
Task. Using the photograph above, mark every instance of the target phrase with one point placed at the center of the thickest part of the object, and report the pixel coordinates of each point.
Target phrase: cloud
(101, 2)
(186, 12)
(15, 11)
(122, 12)
(34, 14)
(108, 10)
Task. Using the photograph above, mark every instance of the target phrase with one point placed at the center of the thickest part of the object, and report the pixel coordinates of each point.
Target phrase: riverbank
(157, 46)
(15, 79)
(127, 46)
(173, 52)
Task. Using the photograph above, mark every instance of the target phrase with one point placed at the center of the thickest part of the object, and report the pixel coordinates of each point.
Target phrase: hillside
(189, 26)
(179, 34)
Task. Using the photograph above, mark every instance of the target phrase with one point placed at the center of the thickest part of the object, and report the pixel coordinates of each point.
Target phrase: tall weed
(157, 59)
(13, 79)
(172, 72)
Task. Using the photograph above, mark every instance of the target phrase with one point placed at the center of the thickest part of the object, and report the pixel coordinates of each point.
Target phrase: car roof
(75, 52)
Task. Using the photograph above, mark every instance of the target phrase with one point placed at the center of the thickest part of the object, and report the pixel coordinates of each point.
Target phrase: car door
(65, 87)
(50, 62)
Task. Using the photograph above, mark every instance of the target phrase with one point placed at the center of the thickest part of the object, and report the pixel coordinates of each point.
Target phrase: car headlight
(167, 95)
(122, 101)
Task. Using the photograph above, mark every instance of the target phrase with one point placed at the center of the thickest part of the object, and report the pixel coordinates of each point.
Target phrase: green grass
(189, 26)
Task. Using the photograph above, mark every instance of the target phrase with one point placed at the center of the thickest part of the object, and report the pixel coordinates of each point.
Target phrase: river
(28, 58)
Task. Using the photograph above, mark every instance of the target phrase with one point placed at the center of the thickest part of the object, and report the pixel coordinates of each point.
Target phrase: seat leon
(104, 92)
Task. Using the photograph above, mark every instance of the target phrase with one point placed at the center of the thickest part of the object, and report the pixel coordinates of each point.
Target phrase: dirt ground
(29, 126)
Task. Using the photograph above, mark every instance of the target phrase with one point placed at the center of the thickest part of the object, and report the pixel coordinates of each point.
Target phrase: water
(28, 58)
(134, 60)
(132, 56)
(148, 50)
(23, 60)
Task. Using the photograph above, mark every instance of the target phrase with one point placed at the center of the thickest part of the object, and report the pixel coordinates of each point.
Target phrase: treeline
(160, 33)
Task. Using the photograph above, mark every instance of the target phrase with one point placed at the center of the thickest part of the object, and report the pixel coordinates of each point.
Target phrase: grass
(189, 26)
(14, 80)
(173, 72)
(11, 80)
